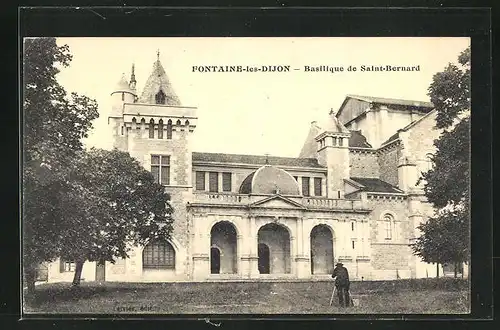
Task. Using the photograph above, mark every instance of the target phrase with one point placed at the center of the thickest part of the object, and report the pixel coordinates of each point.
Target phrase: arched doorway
(321, 250)
(223, 236)
(214, 260)
(263, 253)
(277, 240)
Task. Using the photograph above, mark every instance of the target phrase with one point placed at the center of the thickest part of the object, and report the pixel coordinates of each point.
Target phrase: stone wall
(364, 164)
(388, 158)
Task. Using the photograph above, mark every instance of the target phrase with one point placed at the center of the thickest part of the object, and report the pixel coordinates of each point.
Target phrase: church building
(350, 196)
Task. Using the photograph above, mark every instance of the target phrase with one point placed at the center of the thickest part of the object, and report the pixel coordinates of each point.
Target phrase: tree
(53, 126)
(120, 206)
(445, 237)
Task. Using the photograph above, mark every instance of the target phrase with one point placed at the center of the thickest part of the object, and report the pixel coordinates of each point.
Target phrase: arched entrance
(277, 240)
(223, 236)
(263, 252)
(321, 250)
(214, 260)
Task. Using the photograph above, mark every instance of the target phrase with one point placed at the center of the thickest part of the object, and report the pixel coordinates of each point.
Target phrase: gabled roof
(383, 100)
(255, 160)
(420, 105)
(376, 185)
(158, 80)
(407, 127)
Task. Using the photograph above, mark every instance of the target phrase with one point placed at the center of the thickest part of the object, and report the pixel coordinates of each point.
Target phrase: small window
(160, 97)
(353, 244)
(169, 130)
(388, 222)
(341, 142)
(67, 266)
(305, 186)
(213, 182)
(160, 129)
(226, 182)
(317, 186)
(200, 181)
(353, 226)
(122, 130)
(160, 168)
(151, 129)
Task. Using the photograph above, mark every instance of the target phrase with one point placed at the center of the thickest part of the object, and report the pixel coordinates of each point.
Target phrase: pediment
(277, 201)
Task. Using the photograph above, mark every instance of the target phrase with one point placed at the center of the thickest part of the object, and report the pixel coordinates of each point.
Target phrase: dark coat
(341, 276)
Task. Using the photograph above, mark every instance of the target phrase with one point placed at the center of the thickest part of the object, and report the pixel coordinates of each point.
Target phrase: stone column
(254, 256)
(201, 250)
(302, 262)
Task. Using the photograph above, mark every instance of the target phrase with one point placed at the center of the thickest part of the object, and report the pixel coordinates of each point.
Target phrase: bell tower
(333, 153)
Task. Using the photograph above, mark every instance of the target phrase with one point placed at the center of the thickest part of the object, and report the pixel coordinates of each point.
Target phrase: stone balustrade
(308, 202)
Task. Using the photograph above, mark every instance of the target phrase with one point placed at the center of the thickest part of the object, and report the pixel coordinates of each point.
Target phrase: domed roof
(270, 180)
(123, 86)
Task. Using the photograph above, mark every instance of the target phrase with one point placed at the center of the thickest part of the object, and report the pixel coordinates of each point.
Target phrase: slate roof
(383, 100)
(255, 160)
(358, 140)
(376, 185)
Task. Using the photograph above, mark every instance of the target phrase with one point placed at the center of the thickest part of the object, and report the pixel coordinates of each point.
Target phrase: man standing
(341, 276)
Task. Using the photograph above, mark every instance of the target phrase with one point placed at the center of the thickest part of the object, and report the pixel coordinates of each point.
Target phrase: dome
(123, 86)
(270, 180)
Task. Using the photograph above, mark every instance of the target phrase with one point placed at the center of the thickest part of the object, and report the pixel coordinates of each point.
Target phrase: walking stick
(333, 293)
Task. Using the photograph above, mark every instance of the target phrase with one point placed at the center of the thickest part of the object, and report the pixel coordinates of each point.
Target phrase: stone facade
(353, 203)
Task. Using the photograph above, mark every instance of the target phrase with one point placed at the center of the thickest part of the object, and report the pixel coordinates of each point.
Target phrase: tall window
(160, 129)
(200, 180)
(160, 168)
(151, 129)
(160, 97)
(213, 182)
(169, 130)
(305, 186)
(317, 187)
(66, 266)
(158, 255)
(226, 182)
(388, 222)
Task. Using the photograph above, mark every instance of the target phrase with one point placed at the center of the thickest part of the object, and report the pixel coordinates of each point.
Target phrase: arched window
(158, 254)
(388, 224)
(169, 130)
(187, 123)
(429, 162)
(178, 122)
(160, 97)
(160, 129)
(151, 129)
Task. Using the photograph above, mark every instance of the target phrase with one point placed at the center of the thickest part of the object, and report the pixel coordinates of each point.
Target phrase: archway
(223, 236)
(321, 250)
(277, 240)
(214, 260)
(263, 253)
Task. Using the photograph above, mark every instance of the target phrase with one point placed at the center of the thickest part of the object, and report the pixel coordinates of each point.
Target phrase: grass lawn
(434, 296)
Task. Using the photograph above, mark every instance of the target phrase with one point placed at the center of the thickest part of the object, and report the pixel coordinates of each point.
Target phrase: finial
(132, 76)
(158, 54)
(267, 159)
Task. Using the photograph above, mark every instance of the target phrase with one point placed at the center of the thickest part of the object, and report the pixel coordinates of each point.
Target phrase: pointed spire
(158, 81)
(133, 82)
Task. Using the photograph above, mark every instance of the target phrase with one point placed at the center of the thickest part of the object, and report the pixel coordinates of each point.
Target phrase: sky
(255, 112)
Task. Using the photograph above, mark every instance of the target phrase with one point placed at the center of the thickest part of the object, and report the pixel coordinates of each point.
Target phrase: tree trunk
(30, 278)
(437, 269)
(455, 270)
(78, 272)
